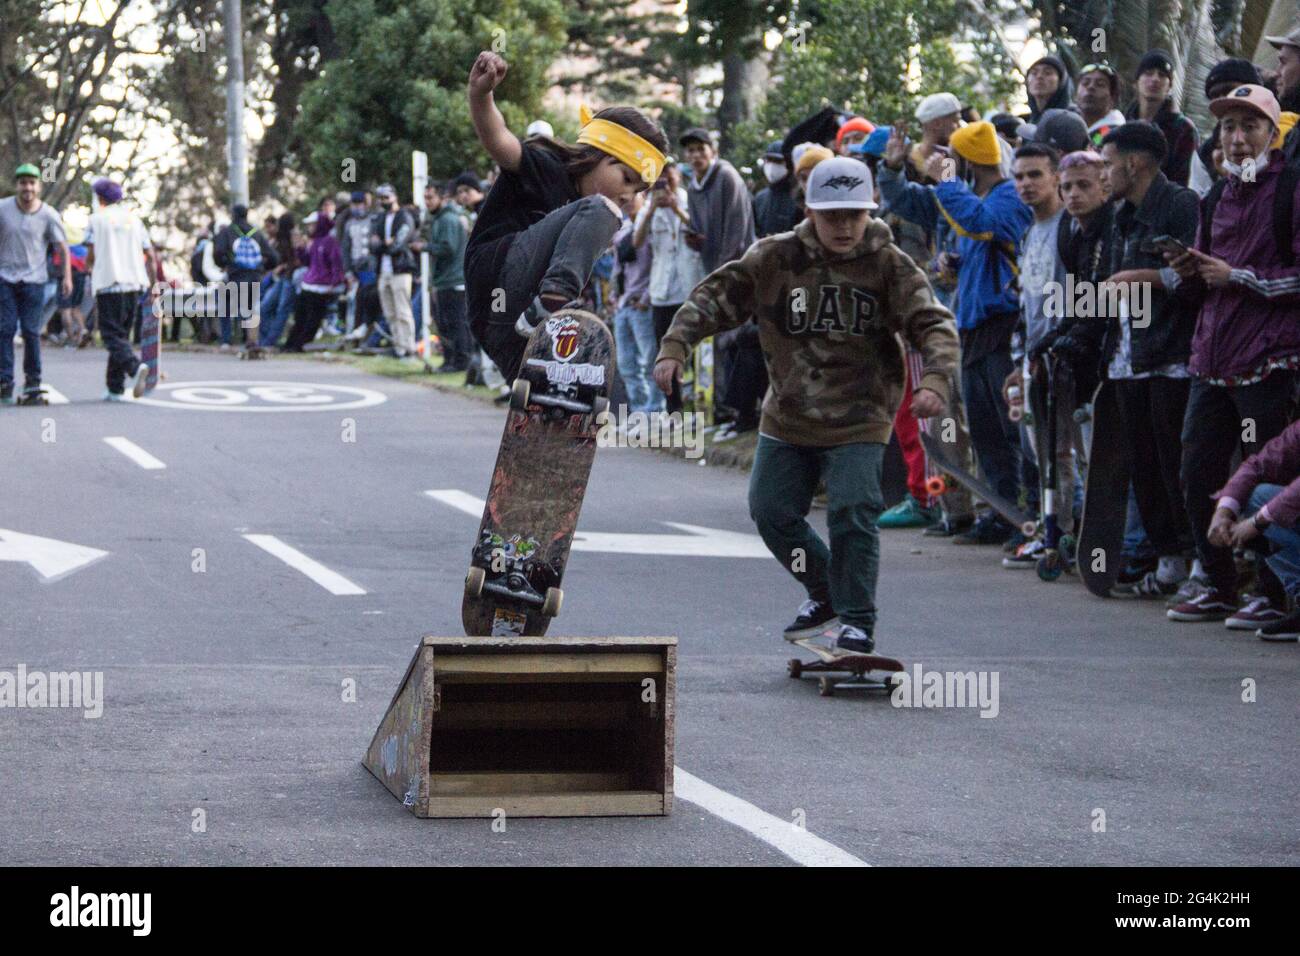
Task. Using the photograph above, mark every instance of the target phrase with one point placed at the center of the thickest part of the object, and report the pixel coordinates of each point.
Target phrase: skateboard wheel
(794, 667)
(1015, 413)
(519, 393)
(599, 406)
(1049, 567)
(551, 603)
(474, 581)
(826, 687)
(936, 485)
(1028, 529)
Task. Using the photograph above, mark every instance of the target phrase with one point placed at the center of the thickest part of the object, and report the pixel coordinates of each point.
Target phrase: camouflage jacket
(830, 328)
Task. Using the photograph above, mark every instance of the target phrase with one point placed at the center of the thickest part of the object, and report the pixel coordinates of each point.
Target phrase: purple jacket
(1277, 463)
(1256, 316)
(325, 257)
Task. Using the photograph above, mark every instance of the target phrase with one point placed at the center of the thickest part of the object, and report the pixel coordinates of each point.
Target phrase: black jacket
(223, 253)
(403, 232)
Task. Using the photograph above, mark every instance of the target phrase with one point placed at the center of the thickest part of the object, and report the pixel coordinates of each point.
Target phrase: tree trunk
(743, 81)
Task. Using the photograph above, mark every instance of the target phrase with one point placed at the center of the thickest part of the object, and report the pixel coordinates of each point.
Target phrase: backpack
(1283, 214)
(246, 251)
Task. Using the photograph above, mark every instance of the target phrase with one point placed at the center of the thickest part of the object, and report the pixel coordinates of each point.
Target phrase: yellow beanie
(811, 157)
(1285, 122)
(977, 143)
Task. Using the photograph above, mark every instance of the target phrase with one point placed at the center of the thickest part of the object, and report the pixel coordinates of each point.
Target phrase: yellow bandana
(621, 143)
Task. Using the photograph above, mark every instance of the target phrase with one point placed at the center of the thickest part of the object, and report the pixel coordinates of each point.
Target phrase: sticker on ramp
(245, 396)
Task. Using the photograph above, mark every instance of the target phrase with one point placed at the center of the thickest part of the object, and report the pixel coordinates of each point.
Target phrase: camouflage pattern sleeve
(723, 300)
(926, 325)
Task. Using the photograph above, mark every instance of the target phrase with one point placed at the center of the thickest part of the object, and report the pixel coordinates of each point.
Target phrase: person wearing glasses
(1098, 100)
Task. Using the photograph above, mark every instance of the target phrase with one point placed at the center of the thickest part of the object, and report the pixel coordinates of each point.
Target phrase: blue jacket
(988, 238)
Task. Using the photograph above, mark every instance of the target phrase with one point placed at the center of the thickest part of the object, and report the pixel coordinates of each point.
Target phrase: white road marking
(56, 397)
(331, 581)
(52, 559)
(795, 842)
(698, 541)
(271, 397)
(134, 452)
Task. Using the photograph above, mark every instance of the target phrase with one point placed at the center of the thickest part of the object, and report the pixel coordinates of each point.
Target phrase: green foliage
(876, 58)
(399, 85)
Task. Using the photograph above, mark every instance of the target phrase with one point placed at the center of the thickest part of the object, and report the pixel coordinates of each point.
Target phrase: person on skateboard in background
(830, 299)
(550, 214)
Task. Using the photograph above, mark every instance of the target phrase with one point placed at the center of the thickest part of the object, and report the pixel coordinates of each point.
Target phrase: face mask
(1258, 163)
(775, 172)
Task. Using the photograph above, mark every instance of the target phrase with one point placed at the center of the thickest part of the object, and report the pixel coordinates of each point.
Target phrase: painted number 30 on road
(245, 396)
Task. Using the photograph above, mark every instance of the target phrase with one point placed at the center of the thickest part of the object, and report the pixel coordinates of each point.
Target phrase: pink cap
(1252, 97)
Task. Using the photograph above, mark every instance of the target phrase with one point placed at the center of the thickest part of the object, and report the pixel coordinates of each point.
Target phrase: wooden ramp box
(532, 726)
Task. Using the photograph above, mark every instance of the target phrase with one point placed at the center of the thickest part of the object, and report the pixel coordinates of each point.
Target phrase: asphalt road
(222, 686)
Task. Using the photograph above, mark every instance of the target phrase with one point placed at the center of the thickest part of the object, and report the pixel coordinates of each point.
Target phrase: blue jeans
(20, 306)
(634, 337)
(277, 306)
(1285, 561)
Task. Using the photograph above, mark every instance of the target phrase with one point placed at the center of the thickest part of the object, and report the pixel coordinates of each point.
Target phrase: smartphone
(1169, 245)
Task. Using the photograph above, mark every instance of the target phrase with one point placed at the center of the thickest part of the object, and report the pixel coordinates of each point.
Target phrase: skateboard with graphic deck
(150, 344)
(549, 442)
(832, 661)
(942, 458)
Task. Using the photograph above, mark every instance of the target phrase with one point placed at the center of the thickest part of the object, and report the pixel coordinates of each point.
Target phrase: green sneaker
(908, 513)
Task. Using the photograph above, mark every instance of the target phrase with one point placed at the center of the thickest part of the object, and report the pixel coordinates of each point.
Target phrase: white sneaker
(141, 380)
(1026, 555)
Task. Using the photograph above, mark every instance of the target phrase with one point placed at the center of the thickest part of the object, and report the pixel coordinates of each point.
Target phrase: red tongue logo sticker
(564, 337)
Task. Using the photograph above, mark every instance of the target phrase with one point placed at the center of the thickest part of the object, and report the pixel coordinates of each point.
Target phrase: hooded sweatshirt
(324, 259)
(1064, 95)
(720, 209)
(831, 328)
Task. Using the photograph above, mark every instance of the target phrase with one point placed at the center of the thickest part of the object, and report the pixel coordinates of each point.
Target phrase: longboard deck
(540, 478)
(939, 454)
(151, 344)
(833, 661)
(1105, 496)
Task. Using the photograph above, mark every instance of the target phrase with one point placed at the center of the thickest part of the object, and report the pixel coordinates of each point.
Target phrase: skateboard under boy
(540, 478)
(834, 661)
(1105, 496)
(942, 458)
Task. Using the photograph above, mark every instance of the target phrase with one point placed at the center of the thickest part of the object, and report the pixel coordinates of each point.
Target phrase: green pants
(781, 488)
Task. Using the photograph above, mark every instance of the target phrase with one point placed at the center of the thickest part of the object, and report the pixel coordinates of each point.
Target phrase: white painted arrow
(697, 542)
(50, 558)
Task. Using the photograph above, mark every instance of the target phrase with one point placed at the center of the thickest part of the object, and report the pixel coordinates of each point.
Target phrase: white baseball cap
(840, 183)
(539, 128)
(936, 105)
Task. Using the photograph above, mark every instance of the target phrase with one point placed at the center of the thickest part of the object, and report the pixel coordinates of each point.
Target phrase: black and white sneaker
(141, 380)
(1286, 629)
(854, 639)
(814, 617)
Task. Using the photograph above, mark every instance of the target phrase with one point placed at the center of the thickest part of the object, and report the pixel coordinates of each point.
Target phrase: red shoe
(1212, 605)
(1258, 612)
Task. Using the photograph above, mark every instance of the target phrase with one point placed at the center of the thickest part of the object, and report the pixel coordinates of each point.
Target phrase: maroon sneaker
(1257, 612)
(1212, 605)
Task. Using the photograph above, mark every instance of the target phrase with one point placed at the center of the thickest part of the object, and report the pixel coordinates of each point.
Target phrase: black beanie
(1155, 59)
(1234, 71)
(1055, 62)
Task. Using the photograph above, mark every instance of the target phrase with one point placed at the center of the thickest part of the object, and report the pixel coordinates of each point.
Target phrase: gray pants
(553, 256)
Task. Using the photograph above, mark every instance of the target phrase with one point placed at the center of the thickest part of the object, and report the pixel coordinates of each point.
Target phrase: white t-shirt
(118, 236)
(675, 267)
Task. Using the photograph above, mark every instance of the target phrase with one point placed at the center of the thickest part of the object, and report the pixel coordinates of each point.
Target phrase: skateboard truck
(521, 396)
(476, 583)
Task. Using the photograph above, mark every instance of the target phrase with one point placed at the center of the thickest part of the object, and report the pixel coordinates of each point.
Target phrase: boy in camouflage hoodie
(832, 299)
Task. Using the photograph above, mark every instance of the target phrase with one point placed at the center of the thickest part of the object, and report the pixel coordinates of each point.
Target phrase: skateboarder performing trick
(831, 299)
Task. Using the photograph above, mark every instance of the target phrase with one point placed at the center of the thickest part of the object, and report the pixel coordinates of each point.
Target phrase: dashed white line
(795, 842)
(331, 581)
(134, 452)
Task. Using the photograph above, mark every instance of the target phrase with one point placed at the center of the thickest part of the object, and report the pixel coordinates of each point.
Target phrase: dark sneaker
(1257, 612)
(7, 394)
(1209, 605)
(908, 513)
(947, 527)
(987, 529)
(1147, 586)
(814, 617)
(1284, 629)
(1014, 543)
(1135, 569)
(1193, 586)
(1026, 555)
(854, 640)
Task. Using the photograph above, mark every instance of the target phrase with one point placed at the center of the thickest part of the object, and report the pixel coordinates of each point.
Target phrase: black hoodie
(1064, 94)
